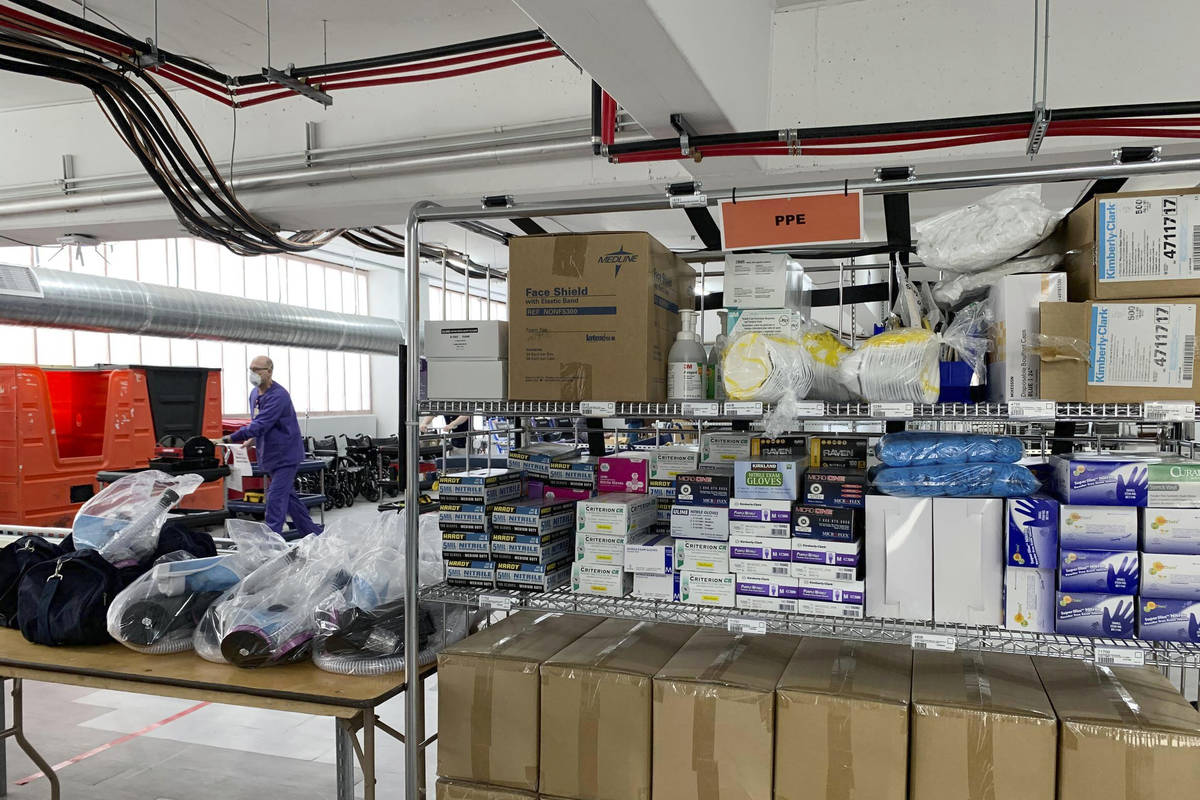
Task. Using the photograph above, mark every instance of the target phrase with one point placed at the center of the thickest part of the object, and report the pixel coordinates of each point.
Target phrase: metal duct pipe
(88, 302)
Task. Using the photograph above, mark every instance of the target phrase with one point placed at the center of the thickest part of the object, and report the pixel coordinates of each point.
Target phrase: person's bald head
(262, 364)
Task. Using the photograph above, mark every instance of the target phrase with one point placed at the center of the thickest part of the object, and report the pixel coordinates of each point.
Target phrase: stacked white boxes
(467, 359)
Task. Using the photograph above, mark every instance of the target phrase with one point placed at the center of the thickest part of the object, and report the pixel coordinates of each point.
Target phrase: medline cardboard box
(968, 560)
(466, 379)
(841, 721)
(980, 720)
(899, 549)
(1171, 576)
(1126, 732)
(489, 694)
(1134, 244)
(457, 790)
(1029, 599)
(598, 708)
(1014, 373)
(1170, 530)
(723, 678)
(592, 316)
(1124, 352)
(466, 339)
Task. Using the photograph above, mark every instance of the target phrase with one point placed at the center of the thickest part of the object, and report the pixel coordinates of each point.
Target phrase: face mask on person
(255, 378)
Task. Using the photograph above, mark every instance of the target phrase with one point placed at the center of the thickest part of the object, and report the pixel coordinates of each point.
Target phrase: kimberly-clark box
(776, 530)
(1029, 600)
(764, 586)
(755, 566)
(624, 472)
(825, 572)
(968, 560)
(849, 592)
(704, 489)
(745, 509)
(534, 459)
(1106, 616)
(650, 555)
(466, 544)
(536, 547)
(479, 573)
(656, 587)
(1031, 531)
(1174, 483)
(600, 580)
(834, 487)
(835, 524)
(483, 485)
(899, 552)
(454, 516)
(757, 602)
(816, 551)
(1171, 530)
(724, 447)
(1105, 571)
(606, 549)
(616, 513)
(707, 589)
(1167, 620)
(1174, 576)
(1098, 527)
(532, 516)
(700, 556)
(760, 548)
(1101, 480)
(532, 577)
(667, 462)
(700, 522)
(823, 609)
(767, 480)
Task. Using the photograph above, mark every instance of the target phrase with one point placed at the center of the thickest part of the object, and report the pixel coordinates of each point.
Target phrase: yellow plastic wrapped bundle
(766, 368)
(895, 366)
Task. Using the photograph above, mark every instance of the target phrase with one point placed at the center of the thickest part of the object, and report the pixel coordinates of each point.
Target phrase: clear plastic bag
(758, 366)
(899, 366)
(922, 448)
(825, 352)
(957, 480)
(970, 285)
(997, 228)
(158, 613)
(122, 521)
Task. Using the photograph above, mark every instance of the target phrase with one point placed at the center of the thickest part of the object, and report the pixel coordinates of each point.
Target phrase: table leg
(368, 762)
(344, 752)
(17, 731)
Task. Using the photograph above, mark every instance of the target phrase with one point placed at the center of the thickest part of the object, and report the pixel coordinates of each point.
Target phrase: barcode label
(892, 410)
(591, 408)
(692, 409)
(845, 575)
(850, 612)
(497, 602)
(1189, 356)
(1031, 409)
(1195, 264)
(756, 626)
(1169, 411)
(810, 408)
(933, 641)
(743, 409)
(1120, 657)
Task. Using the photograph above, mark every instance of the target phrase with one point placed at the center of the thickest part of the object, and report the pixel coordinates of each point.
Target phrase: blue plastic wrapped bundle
(922, 448)
(957, 480)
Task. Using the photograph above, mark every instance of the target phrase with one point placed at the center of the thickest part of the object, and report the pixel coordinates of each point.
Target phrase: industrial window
(451, 304)
(319, 381)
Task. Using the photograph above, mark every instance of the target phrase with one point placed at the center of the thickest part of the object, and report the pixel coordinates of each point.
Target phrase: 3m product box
(662, 488)
(1106, 616)
(834, 524)
(535, 458)
(707, 589)
(464, 517)
(1014, 373)
(760, 548)
(473, 338)
(724, 447)
(767, 321)
(834, 487)
(667, 462)
(536, 548)
(963, 699)
(483, 486)
(767, 480)
(1029, 599)
(578, 472)
(816, 551)
(533, 516)
(700, 522)
(776, 530)
(1101, 480)
(533, 577)
(1170, 530)
(466, 379)
(477, 572)
(1168, 620)
(848, 592)
(598, 702)
(1031, 531)
(704, 489)
(616, 513)
(1174, 483)
(899, 550)
(1098, 527)
(828, 685)
(764, 280)
(1126, 732)
(838, 452)
(793, 447)
(606, 549)
(1173, 576)
(755, 566)
(656, 587)
(624, 472)
(489, 693)
(651, 555)
(466, 544)
(592, 316)
(455, 790)
(700, 556)
(1137, 351)
(1104, 571)
(744, 509)
(597, 579)
(1134, 244)
(968, 560)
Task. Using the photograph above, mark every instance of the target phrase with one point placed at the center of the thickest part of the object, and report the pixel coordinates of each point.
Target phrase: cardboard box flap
(747, 661)
(622, 645)
(528, 636)
(1061, 373)
(998, 683)
(460, 790)
(859, 670)
(1131, 697)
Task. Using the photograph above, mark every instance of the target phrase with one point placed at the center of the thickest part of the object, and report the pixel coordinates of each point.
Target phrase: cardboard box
(598, 708)
(533, 517)
(1171, 576)
(838, 452)
(1101, 480)
(1174, 483)
(466, 339)
(723, 447)
(714, 716)
(744, 509)
(667, 462)
(652, 555)
(767, 480)
(656, 587)
(1098, 527)
(662, 488)
(1013, 372)
(536, 548)
(558, 493)
(535, 458)
(707, 589)
(624, 472)
(1104, 616)
(1029, 599)
(1031, 531)
(843, 610)
(608, 549)
(764, 280)
(466, 544)
(533, 577)
(466, 379)
(454, 516)
(1103, 571)
(704, 489)
(841, 721)
(968, 560)
(899, 549)
(772, 586)
(767, 321)
(578, 472)
(772, 530)
(699, 556)
(616, 513)
(980, 720)
(835, 487)
(477, 572)
(754, 566)
(1170, 530)
(700, 522)
(834, 524)
(754, 602)
(592, 316)
(790, 447)
(1126, 732)
(663, 512)
(482, 486)
(826, 572)
(457, 790)
(489, 696)
(1139, 350)
(1167, 620)
(600, 580)
(847, 592)
(760, 548)
(1133, 244)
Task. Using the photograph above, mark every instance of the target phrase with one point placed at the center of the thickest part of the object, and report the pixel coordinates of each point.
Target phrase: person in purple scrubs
(276, 433)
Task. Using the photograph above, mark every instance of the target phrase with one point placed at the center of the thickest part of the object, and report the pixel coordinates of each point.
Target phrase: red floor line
(109, 745)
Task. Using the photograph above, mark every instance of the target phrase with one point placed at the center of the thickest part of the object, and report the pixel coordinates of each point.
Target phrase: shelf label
(1120, 656)
(933, 641)
(1169, 411)
(496, 602)
(756, 626)
(591, 408)
(693, 409)
(744, 409)
(892, 410)
(1031, 409)
(810, 408)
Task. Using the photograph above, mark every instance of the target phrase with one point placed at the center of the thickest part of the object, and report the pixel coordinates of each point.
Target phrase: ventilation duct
(57, 299)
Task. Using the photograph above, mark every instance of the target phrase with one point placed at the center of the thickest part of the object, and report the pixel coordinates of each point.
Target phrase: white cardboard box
(1170, 576)
(754, 566)
(1171, 530)
(654, 555)
(899, 550)
(968, 560)
(472, 338)
(700, 522)
(1015, 374)
(763, 280)
(607, 549)
(1097, 527)
(707, 589)
(667, 462)
(692, 555)
(467, 379)
(724, 447)
(656, 587)
(616, 513)
(600, 580)
(1029, 599)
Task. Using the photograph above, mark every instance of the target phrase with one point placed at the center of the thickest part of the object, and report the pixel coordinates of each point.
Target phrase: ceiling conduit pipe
(78, 301)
